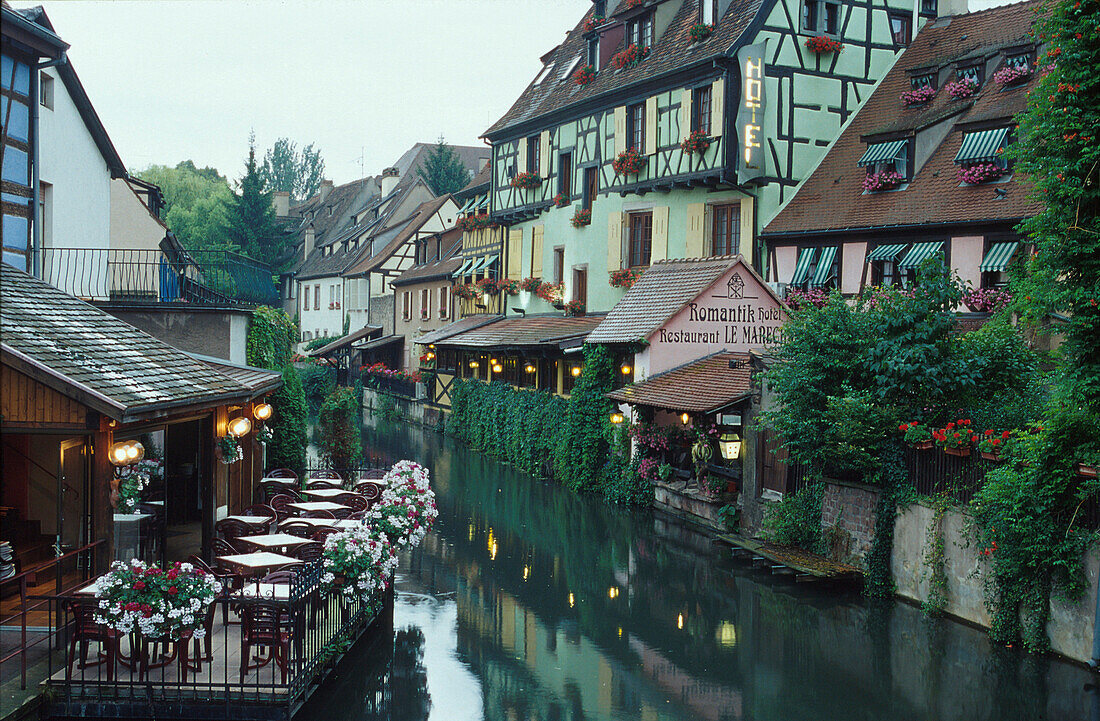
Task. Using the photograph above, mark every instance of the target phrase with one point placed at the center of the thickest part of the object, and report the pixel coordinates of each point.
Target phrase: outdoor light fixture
(498, 368)
(473, 364)
(576, 371)
(612, 593)
(685, 418)
(239, 427)
(432, 346)
(125, 453)
(529, 368)
(730, 445)
(626, 369)
(616, 418)
(262, 412)
(680, 621)
(429, 355)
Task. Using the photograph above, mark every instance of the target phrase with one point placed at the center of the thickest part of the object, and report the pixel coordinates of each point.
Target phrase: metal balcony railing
(154, 276)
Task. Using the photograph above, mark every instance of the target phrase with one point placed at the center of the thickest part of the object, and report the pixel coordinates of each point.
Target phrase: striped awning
(886, 252)
(484, 203)
(464, 268)
(919, 253)
(468, 206)
(824, 271)
(881, 152)
(981, 146)
(481, 263)
(996, 260)
(802, 268)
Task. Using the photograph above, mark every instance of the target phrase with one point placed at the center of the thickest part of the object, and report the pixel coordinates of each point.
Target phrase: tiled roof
(664, 288)
(459, 326)
(832, 197)
(451, 241)
(532, 330)
(258, 380)
(96, 358)
(701, 386)
(345, 341)
(672, 51)
(395, 237)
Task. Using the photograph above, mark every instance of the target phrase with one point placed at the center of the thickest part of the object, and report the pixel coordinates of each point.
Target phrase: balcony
(148, 276)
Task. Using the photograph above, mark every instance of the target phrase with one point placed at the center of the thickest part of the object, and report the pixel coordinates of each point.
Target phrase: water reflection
(530, 603)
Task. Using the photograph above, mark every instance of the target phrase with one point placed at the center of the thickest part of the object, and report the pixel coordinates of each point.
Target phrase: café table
(254, 521)
(322, 494)
(258, 563)
(307, 506)
(276, 542)
(323, 522)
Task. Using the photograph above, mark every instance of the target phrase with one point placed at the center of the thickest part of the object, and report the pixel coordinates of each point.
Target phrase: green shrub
(288, 422)
(796, 520)
(338, 429)
(318, 381)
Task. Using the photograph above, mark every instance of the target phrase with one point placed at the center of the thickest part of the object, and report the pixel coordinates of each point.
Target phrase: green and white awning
(483, 203)
(802, 268)
(464, 268)
(824, 271)
(981, 146)
(919, 253)
(888, 252)
(996, 260)
(479, 264)
(468, 206)
(881, 152)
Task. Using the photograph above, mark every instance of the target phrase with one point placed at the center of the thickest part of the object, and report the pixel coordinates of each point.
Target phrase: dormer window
(889, 156)
(707, 11)
(592, 53)
(639, 30)
(981, 156)
(925, 80)
(929, 7)
(821, 16)
(1018, 60)
(600, 8)
(545, 71)
(973, 73)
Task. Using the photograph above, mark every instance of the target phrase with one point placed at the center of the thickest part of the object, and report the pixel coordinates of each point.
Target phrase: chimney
(390, 176)
(282, 203)
(326, 188)
(309, 239)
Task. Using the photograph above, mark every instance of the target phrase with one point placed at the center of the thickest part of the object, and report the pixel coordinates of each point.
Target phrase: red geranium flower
(139, 585)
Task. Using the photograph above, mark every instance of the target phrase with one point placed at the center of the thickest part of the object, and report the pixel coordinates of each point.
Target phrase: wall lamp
(125, 453)
(239, 427)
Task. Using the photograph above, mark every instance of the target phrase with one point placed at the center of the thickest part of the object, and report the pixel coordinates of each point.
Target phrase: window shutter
(696, 233)
(748, 230)
(685, 114)
(717, 106)
(660, 234)
(544, 154)
(614, 242)
(515, 253)
(536, 251)
(650, 126)
(521, 161)
(620, 129)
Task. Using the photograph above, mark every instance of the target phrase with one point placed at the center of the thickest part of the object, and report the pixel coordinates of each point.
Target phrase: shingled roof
(97, 359)
(705, 385)
(532, 330)
(832, 197)
(671, 52)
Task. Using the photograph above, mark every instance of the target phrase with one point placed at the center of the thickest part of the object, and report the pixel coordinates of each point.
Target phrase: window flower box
(962, 88)
(956, 438)
(487, 286)
(560, 201)
(886, 180)
(466, 291)
(551, 292)
(629, 162)
(1011, 75)
(530, 284)
(507, 287)
(629, 57)
(581, 218)
(991, 443)
(986, 300)
(919, 96)
(574, 309)
(624, 278)
(813, 298)
(592, 23)
(917, 435)
(1086, 470)
(584, 75)
(700, 32)
(631, 4)
(526, 181)
(980, 173)
(475, 222)
(822, 45)
(697, 142)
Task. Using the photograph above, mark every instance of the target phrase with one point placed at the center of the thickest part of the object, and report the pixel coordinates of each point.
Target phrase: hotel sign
(750, 113)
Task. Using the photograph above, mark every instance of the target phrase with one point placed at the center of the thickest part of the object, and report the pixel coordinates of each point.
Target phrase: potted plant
(357, 562)
(918, 96)
(592, 23)
(581, 218)
(917, 435)
(465, 291)
(886, 180)
(530, 284)
(265, 435)
(696, 142)
(955, 438)
(624, 278)
(574, 308)
(986, 300)
(560, 200)
(228, 450)
(1012, 75)
(629, 57)
(136, 598)
(551, 293)
(822, 45)
(526, 181)
(629, 162)
(487, 286)
(507, 287)
(991, 443)
(700, 32)
(980, 173)
(962, 88)
(584, 75)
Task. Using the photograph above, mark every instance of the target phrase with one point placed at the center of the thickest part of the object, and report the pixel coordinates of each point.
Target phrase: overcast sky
(363, 79)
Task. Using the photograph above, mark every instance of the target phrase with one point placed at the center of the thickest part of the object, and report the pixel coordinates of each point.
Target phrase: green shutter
(918, 253)
(996, 260)
(823, 274)
(881, 152)
(886, 252)
(802, 268)
(982, 146)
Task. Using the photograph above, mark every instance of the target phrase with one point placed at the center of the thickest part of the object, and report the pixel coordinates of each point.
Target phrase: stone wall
(407, 409)
(217, 332)
(848, 513)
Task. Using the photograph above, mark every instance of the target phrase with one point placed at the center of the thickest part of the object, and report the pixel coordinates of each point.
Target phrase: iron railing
(152, 276)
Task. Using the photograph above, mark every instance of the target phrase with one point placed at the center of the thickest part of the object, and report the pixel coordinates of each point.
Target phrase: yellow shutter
(685, 114)
(536, 251)
(717, 103)
(521, 162)
(614, 241)
(620, 129)
(696, 213)
(748, 230)
(544, 154)
(660, 234)
(515, 254)
(650, 126)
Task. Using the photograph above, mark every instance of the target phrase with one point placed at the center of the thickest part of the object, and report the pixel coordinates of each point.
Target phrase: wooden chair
(309, 552)
(298, 528)
(266, 625)
(84, 631)
(319, 514)
(281, 473)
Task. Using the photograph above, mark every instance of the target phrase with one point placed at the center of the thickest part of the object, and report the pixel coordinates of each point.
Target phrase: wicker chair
(357, 515)
(259, 510)
(285, 576)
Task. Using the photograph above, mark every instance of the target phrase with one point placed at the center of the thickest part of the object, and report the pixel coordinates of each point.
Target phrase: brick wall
(848, 513)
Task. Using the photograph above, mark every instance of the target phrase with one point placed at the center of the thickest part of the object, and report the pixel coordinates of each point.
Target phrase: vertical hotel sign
(750, 113)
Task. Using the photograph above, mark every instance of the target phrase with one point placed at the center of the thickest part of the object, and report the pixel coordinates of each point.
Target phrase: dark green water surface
(529, 602)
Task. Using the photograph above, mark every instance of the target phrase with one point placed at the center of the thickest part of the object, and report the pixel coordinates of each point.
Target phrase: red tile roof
(527, 331)
(832, 197)
(701, 386)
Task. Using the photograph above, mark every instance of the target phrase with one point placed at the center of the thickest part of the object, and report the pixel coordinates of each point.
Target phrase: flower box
(629, 57)
(919, 96)
(955, 438)
(1011, 75)
(980, 173)
(592, 23)
(475, 222)
(960, 452)
(526, 181)
(696, 142)
(560, 201)
(924, 446)
(822, 45)
(487, 286)
(624, 278)
(700, 32)
(917, 435)
(878, 182)
(574, 308)
(629, 162)
(465, 291)
(1086, 471)
(163, 604)
(584, 75)
(530, 284)
(986, 300)
(581, 218)
(507, 287)
(550, 292)
(994, 457)
(962, 88)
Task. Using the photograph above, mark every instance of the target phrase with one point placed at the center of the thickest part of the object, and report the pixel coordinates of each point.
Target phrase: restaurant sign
(750, 113)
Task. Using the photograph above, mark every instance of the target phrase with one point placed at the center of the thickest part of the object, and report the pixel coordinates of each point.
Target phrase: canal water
(528, 602)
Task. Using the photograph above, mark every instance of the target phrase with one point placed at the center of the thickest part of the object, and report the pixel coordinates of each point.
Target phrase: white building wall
(319, 319)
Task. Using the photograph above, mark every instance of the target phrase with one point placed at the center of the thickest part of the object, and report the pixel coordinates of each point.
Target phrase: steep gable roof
(397, 236)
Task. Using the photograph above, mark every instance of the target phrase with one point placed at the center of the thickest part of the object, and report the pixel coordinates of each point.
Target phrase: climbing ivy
(587, 434)
(897, 492)
(338, 429)
(287, 448)
(271, 335)
(935, 602)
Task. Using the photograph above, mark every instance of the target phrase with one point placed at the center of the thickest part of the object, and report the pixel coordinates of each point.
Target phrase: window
(568, 70)
(890, 156)
(707, 11)
(700, 110)
(580, 285)
(821, 16)
(925, 80)
(592, 56)
(971, 72)
(565, 175)
(545, 71)
(306, 335)
(533, 154)
(641, 238)
(929, 7)
(726, 229)
(425, 304)
(317, 297)
(901, 27)
(1019, 60)
(45, 91)
(406, 305)
(591, 187)
(444, 302)
(600, 9)
(635, 126)
(559, 265)
(639, 31)
(305, 297)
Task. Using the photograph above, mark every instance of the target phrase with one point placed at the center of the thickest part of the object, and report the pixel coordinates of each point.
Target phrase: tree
(196, 203)
(252, 227)
(443, 171)
(288, 170)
